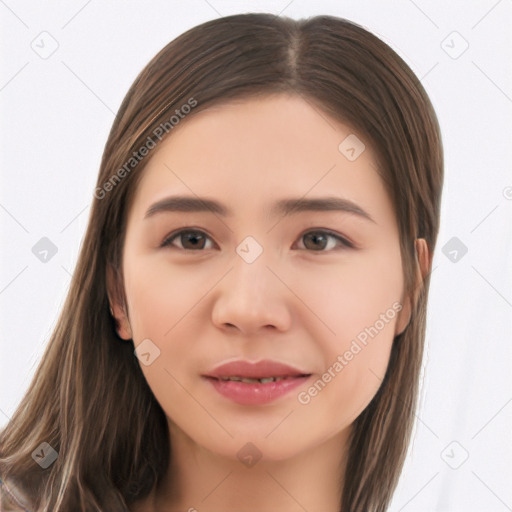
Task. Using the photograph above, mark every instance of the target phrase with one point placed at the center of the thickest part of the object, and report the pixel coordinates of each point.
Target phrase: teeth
(248, 380)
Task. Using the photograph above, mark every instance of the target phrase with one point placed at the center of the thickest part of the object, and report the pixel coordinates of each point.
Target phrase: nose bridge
(251, 296)
(251, 276)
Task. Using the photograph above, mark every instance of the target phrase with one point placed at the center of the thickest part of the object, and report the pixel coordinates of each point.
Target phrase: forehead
(252, 151)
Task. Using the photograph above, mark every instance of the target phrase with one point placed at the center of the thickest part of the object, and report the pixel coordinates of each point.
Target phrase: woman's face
(253, 282)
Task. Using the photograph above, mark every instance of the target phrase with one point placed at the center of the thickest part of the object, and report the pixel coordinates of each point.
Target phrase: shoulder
(11, 498)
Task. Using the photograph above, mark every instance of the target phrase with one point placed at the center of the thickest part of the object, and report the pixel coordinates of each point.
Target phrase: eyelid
(167, 239)
(344, 241)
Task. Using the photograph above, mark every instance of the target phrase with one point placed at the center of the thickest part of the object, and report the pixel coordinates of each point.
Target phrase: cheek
(164, 306)
(359, 306)
(347, 298)
(159, 295)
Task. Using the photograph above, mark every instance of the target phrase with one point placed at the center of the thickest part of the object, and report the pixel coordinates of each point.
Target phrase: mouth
(248, 383)
(263, 380)
(252, 371)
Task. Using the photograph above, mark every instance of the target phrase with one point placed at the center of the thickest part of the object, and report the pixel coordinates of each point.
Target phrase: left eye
(321, 236)
(196, 240)
(194, 237)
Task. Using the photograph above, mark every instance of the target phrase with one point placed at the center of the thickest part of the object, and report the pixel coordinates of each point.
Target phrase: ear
(117, 306)
(423, 263)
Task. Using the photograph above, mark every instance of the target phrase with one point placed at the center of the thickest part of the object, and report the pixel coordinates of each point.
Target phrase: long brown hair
(89, 399)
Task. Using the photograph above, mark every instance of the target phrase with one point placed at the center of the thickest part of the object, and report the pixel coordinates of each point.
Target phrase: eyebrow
(282, 207)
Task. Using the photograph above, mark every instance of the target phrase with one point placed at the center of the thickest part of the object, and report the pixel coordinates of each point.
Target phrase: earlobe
(117, 307)
(423, 262)
(424, 257)
(403, 317)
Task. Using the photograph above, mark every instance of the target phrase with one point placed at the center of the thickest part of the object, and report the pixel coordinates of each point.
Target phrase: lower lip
(255, 393)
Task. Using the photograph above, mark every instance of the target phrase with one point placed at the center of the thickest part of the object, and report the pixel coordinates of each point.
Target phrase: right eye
(190, 240)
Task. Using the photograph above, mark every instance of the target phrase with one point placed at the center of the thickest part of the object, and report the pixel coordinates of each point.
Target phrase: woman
(245, 326)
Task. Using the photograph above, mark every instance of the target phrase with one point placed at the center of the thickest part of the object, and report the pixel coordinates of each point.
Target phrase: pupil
(190, 237)
(315, 238)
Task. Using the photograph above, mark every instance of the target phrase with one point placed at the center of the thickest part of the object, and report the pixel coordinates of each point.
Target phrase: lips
(260, 383)
(266, 371)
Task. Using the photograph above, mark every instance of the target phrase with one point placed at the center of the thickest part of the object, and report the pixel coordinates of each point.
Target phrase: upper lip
(255, 370)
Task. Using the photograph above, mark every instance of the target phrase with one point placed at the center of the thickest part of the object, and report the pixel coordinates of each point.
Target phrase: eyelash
(345, 244)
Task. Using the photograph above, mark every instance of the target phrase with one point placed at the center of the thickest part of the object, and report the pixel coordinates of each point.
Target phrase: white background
(55, 118)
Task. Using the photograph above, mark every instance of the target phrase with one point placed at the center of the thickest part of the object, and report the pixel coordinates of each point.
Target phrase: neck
(200, 480)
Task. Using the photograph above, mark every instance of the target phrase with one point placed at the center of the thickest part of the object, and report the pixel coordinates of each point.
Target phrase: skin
(300, 302)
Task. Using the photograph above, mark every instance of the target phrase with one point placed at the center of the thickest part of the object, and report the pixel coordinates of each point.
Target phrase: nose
(252, 297)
